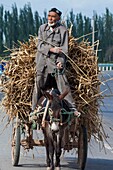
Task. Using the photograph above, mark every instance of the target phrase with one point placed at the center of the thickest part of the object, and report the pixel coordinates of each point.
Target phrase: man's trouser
(62, 85)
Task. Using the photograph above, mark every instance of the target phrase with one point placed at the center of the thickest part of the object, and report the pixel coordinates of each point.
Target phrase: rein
(70, 116)
(45, 109)
(57, 72)
(52, 119)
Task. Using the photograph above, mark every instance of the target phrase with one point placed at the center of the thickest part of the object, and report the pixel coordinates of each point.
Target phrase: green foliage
(71, 21)
(16, 26)
(1, 29)
(37, 21)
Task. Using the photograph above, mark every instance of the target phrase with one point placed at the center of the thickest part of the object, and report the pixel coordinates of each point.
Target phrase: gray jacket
(46, 60)
(46, 40)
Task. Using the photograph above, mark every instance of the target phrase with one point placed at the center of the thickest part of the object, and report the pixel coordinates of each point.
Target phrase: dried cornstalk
(19, 86)
(82, 73)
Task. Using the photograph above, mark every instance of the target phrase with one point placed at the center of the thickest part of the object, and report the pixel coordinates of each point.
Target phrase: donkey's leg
(49, 150)
(57, 144)
(51, 153)
(48, 161)
(46, 140)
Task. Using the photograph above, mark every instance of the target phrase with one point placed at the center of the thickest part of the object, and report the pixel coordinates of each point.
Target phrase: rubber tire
(82, 147)
(16, 149)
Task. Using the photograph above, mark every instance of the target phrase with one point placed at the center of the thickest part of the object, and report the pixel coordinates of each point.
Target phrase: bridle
(53, 108)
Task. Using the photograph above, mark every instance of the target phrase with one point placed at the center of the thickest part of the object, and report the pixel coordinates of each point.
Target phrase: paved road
(35, 159)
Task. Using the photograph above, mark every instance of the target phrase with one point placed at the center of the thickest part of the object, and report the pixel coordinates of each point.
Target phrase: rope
(38, 112)
(70, 115)
(63, 112)
(57, 72)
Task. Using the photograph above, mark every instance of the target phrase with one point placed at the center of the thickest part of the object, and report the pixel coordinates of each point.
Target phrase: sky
(86, 7)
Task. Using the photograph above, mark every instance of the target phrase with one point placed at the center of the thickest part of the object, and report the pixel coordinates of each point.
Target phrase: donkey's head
(55, 106)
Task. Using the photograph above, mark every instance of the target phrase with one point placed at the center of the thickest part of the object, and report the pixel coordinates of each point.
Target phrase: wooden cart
(75, 137)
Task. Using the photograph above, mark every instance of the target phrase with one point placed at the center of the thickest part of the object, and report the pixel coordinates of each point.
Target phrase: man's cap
(56, 11)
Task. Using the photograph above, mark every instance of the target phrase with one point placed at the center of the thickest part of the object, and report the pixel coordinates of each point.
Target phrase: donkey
(53, 126)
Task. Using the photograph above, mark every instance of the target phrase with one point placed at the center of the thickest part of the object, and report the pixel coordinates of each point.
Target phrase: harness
(57, 72)
(52, 118)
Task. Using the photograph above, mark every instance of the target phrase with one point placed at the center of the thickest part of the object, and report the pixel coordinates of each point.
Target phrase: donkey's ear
(61, 97)
(48, 95)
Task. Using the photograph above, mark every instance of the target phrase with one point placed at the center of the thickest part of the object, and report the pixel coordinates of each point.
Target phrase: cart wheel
(16, 137)
(82, 147)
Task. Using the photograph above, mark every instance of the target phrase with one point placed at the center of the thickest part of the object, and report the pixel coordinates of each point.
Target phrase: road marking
(108, 147)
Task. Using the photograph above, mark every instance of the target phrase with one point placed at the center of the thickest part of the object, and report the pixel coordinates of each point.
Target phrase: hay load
(82, 73)
(19, 86)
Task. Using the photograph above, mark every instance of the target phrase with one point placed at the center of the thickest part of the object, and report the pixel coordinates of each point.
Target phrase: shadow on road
(98, 164)
(69, 163)
(92, 164)
(34, 165)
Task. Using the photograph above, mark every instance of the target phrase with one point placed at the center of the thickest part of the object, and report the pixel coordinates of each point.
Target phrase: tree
(30, 20)
(37, 21)
(101, 37)
(79, 25)
(108, 20)
(1, 29)
(15, 28)
(71, 22)
(22, 26)
(44, 19)
(87, 27)
(26, 23)
(8, 23)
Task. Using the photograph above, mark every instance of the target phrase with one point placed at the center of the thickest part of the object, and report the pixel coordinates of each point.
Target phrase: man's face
(53, 17)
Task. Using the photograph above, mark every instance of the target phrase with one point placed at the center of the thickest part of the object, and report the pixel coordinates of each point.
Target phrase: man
(51, 59)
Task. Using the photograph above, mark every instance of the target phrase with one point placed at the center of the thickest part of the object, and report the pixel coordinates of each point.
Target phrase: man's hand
(56, 50)
(77, 114)
(59, 65)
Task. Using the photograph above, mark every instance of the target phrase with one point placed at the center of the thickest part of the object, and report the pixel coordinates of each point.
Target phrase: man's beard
(53, 24)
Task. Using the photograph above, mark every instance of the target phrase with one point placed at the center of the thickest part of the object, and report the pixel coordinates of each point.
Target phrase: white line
(108, 147)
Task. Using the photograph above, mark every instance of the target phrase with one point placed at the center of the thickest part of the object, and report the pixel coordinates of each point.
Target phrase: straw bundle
(82, 73)
(20, 72)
